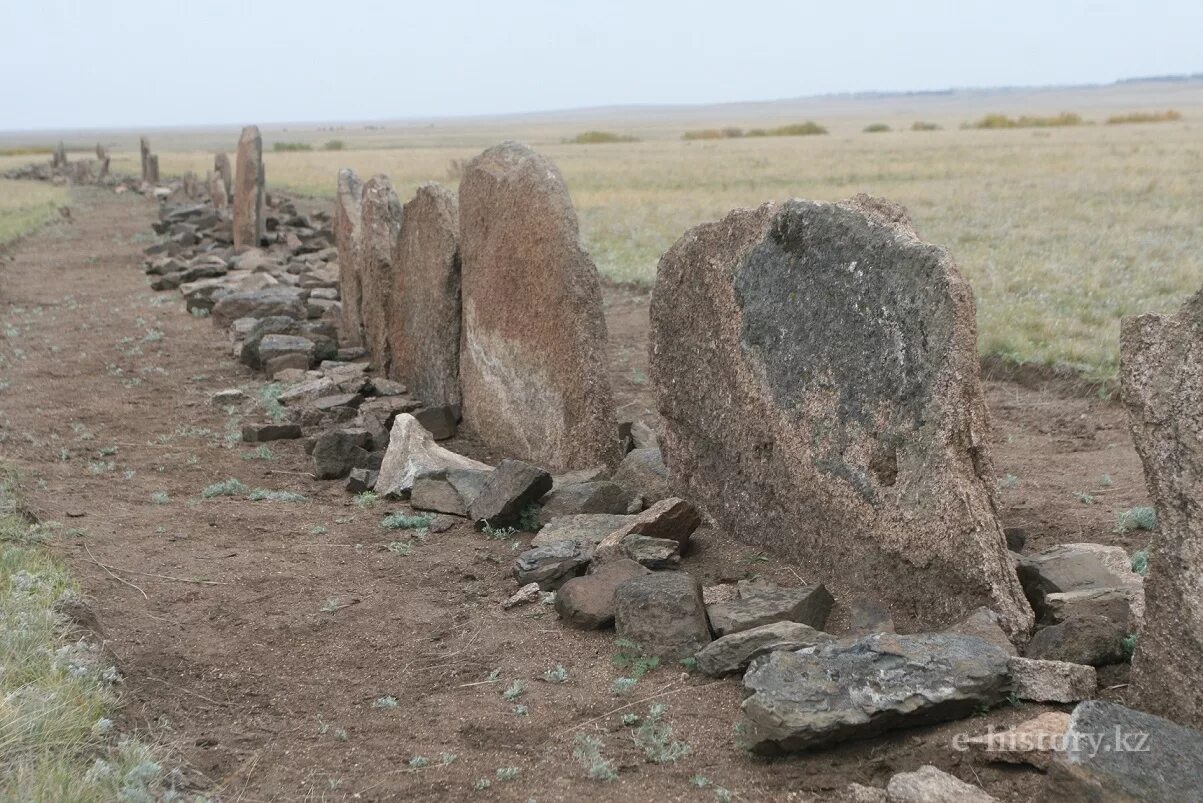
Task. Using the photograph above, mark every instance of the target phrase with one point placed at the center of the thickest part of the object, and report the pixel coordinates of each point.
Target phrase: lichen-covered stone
(1161, 368)
(663, 613)
(854, 690)
(533, 367)
(816, 368)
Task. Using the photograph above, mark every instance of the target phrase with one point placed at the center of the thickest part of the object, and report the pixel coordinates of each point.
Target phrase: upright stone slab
(348, 218)
(533, 368)
(221, 166)
(817, 371)
(217, 191)
(248, 189)
(144, 150)
(424, 331)
(1161, 370)
(380, 225)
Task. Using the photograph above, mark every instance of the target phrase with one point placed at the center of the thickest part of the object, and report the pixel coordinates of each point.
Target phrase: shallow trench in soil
(217, 620)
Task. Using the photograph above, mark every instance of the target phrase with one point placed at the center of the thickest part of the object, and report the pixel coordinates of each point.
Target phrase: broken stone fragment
(643, 476)
(507, 492)
(663, 613)
(587, 602)
(732, 653)
(931, 785)
(412, 452)
(984, 624)
(1079, 567)
(597, 496)
(886, 681)
(588, 530)
(764, 603)
(1051, 681)
(361, 479)
(1113, 753)
(671, 518)
(262, 433)
(656, 554)
(450, 491)
(438, 421)
(1089, 640)
(337, 451)
(550, 566)
(1034, 742)
(527, 594)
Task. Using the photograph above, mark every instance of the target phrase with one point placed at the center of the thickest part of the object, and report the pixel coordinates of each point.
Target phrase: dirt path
(264, 640)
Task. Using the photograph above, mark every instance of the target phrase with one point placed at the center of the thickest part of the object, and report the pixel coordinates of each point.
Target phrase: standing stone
(816, 366)
(533, 368)
(348, 219)
(248, 189)
(152, 168)
(379, 228)
(60, 155)
(425, 325)
(217, 191)
(144, 149)
(101, 154)
(1161, 370)
(221, 166)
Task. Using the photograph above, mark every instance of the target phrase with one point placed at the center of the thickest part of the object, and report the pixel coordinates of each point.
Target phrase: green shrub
(291, 146)
(600, 137)
(1137, 518)
(705, 133)
(403, 521)
(920, 125)
(334, 145)
(877, 128)
(807, 129)
(588, 753)
(230, 487)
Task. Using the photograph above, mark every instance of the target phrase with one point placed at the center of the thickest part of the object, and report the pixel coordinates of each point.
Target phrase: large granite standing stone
(348, 219)
(857, 689)
(1161, 370)
(248, 189)
(379, 226)
(425, 325)
(533, 367)
(816, 367)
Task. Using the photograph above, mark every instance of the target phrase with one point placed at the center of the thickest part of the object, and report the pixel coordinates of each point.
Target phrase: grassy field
(25, 205)
(1061, 230)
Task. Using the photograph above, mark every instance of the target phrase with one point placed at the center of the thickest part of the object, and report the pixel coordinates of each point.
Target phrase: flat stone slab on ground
(854, 690)
(1052, 681)
(931, 785)
(507, 492)
(585, 529)
(765, 603)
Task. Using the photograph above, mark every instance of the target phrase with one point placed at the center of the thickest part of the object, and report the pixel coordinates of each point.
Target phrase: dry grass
(25, 205)
(1062, 230)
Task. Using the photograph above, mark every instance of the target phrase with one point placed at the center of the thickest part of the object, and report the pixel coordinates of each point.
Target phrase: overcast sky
(91, 63)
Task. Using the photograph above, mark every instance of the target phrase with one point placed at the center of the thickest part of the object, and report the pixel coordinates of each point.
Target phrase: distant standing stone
(348, 219)
(1161, 369)
(533, 366)
(221, 166)
(248, 189)
(424, 328)
(816, 367)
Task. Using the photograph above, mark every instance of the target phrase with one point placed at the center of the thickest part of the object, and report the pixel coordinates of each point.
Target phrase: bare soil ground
(213, 609)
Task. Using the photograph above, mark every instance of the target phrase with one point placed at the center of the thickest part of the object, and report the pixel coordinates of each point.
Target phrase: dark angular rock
(656, 554)
(587, 602)
(361, 479)
(451, 490)
(600, 496)
(337, 451)
(765, 603)
(509, 490)
(262, 433)
(663, 613)
(585, 529)
(1090, 640)
(438, 421)
(984, 624)
(550, 566)
(1077, 567)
